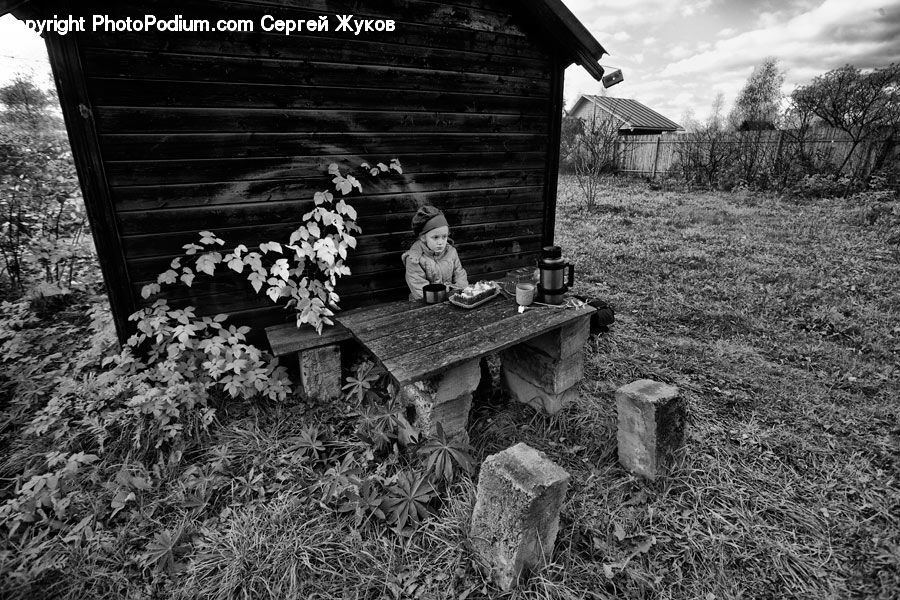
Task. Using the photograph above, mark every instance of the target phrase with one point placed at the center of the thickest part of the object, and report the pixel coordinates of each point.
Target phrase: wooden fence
(654, 155)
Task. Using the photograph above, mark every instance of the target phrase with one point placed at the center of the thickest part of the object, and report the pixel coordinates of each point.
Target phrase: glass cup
(524, 293)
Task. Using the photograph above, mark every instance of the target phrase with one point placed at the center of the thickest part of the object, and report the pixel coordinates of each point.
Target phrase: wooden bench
(318, 356)
(433, 353)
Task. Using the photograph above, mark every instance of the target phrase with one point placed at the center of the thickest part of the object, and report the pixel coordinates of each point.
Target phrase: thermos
(553, 283)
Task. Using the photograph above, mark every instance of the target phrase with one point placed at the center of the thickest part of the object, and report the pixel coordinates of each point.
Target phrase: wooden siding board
(230, 192)
(290, 211)
(247, 169)
(148, 93)
(185, 146)
(328, 49)
(180, 67)
(147, 120)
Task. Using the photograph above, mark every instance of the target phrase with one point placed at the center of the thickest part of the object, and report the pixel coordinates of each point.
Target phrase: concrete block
(535, 396)
(554, 376)
(446, 398)
(516, 515)
(651, 421)
(565, 341)
(320, 372)
(453, 414)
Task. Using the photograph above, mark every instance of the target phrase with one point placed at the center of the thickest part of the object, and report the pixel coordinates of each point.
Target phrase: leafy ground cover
(777, 319)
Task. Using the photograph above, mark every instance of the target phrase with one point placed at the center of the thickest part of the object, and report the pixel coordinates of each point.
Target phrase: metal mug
(434, 293)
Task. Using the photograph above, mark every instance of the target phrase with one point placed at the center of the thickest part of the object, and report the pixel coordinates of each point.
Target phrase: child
(432, 258)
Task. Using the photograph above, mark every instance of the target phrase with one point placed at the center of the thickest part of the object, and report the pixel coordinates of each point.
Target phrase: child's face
(436, 239)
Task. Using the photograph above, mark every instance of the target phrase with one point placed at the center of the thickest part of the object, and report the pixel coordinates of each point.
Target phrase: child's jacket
(423, 267)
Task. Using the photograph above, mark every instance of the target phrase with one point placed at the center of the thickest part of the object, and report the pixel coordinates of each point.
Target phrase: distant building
(632, 117)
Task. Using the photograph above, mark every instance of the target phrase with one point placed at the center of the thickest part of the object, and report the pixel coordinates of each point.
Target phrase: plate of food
(475, 294)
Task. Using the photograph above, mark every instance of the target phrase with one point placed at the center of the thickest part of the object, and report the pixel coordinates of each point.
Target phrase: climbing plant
(304, 270)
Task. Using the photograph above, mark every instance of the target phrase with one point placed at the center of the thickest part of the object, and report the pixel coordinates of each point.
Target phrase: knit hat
(426, 219)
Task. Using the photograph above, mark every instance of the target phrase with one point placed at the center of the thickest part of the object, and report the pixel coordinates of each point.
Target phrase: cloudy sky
(676, 55)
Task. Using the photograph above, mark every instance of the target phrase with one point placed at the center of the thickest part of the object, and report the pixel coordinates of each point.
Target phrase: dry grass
(779, 323)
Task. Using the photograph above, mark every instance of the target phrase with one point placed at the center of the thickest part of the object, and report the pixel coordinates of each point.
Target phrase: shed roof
(634, 114)
(575, 42)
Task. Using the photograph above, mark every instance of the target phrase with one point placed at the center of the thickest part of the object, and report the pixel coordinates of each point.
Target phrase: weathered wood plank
(165, 241)
(196, 120)
(181, 67)
(508, 328)
(166, 146)
(327, 47)
(187, 94)
(174, 196)
(197, 218)
(287, 338)
(121, 173)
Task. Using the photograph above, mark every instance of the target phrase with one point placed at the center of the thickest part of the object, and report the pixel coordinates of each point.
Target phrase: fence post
(655, 157)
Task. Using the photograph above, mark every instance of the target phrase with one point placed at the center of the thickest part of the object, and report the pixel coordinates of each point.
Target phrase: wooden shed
(181, 130)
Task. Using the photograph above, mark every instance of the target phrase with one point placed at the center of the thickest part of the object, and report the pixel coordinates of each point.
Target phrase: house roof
(576, 43)
(632, 113)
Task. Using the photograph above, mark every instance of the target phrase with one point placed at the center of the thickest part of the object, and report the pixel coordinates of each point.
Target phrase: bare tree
(856, 102)
(594, 154)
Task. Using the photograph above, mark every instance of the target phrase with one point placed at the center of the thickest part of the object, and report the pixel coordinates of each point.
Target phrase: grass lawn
(779, 322)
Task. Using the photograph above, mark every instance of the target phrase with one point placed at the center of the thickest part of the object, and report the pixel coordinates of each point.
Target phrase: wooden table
(434, 351)
(414, 341)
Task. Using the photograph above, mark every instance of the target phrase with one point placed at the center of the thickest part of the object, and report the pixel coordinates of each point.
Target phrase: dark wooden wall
(233, 133)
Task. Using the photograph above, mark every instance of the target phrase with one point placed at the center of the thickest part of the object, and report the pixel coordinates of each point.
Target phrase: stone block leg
(651, 421)
(516, 515)
(544, 372)
(444, 399)
(320, 372)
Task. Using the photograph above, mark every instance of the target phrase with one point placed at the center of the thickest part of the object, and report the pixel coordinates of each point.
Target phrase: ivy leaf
(207, 262)
(150, 289)
(281, 269)
(253, 260)
(333, 169)
(187, 277)
(256, 279)
(191, 249)
(208, 237)
(235, 263)
(318, 198)
(167, 277)
(343, 185)
(271, 246)
(395, 165)
(313, 229)
(383, 167)
(301, 233)
(364, 165)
